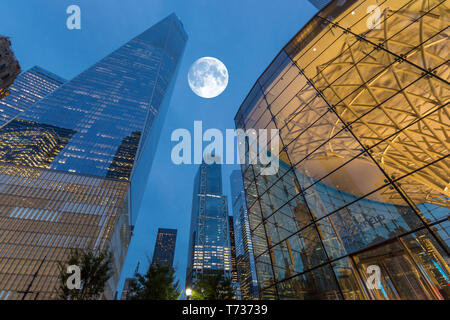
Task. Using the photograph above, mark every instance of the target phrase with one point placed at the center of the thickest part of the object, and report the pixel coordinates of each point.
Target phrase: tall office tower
(165, 247)
(78, 162)
(209, 243)
(9, 67)
(360, 96)
(245, 262)
(29, 87)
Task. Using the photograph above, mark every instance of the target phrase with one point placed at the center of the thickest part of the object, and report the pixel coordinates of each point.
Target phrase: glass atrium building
(360, 97)
(74, 165)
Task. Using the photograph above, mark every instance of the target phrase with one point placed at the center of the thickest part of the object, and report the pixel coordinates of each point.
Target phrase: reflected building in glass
(74, 165)
(245, 263)
(361, 105)
(209, 243)
(165, 247)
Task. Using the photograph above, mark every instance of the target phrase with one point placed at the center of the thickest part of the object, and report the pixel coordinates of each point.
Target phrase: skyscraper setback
(85, 153)
(209, 244)
(165, 247)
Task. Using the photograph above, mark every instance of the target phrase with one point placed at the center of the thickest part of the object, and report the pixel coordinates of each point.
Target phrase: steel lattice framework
(392, 96)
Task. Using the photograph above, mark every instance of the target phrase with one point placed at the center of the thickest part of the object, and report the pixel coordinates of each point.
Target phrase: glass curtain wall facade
(28, 88)
(209, 242)
(360, 97)
(165, 247)
(245, 262)
(78, 162)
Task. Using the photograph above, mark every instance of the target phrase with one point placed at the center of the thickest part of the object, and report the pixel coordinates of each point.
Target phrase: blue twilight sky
(244, 34)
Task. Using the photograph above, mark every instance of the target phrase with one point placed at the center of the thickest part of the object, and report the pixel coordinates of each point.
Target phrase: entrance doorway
(400, 277)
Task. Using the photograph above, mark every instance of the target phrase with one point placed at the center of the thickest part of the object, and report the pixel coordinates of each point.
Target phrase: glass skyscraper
(165, 247)
(28, 88)
(245, 263)
(79, 159)
(209, 243)
(360, 96)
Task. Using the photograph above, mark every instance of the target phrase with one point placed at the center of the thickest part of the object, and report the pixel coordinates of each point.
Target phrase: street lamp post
(188, 293)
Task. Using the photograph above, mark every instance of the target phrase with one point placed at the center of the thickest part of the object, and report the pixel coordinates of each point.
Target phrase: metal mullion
(302, 194)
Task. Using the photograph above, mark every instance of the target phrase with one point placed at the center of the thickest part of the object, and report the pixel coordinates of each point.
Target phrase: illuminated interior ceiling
(392, 104)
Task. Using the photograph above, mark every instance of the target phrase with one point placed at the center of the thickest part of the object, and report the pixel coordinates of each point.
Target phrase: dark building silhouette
(165, 247)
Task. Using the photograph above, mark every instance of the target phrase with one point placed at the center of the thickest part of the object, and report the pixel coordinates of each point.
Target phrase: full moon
(208, 77)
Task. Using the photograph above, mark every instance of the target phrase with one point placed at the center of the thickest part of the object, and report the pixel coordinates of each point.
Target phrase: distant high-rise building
(245, 263)
(28, 88)
(165, 247)
(9, 66)
(74, 165)
(209, 244)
